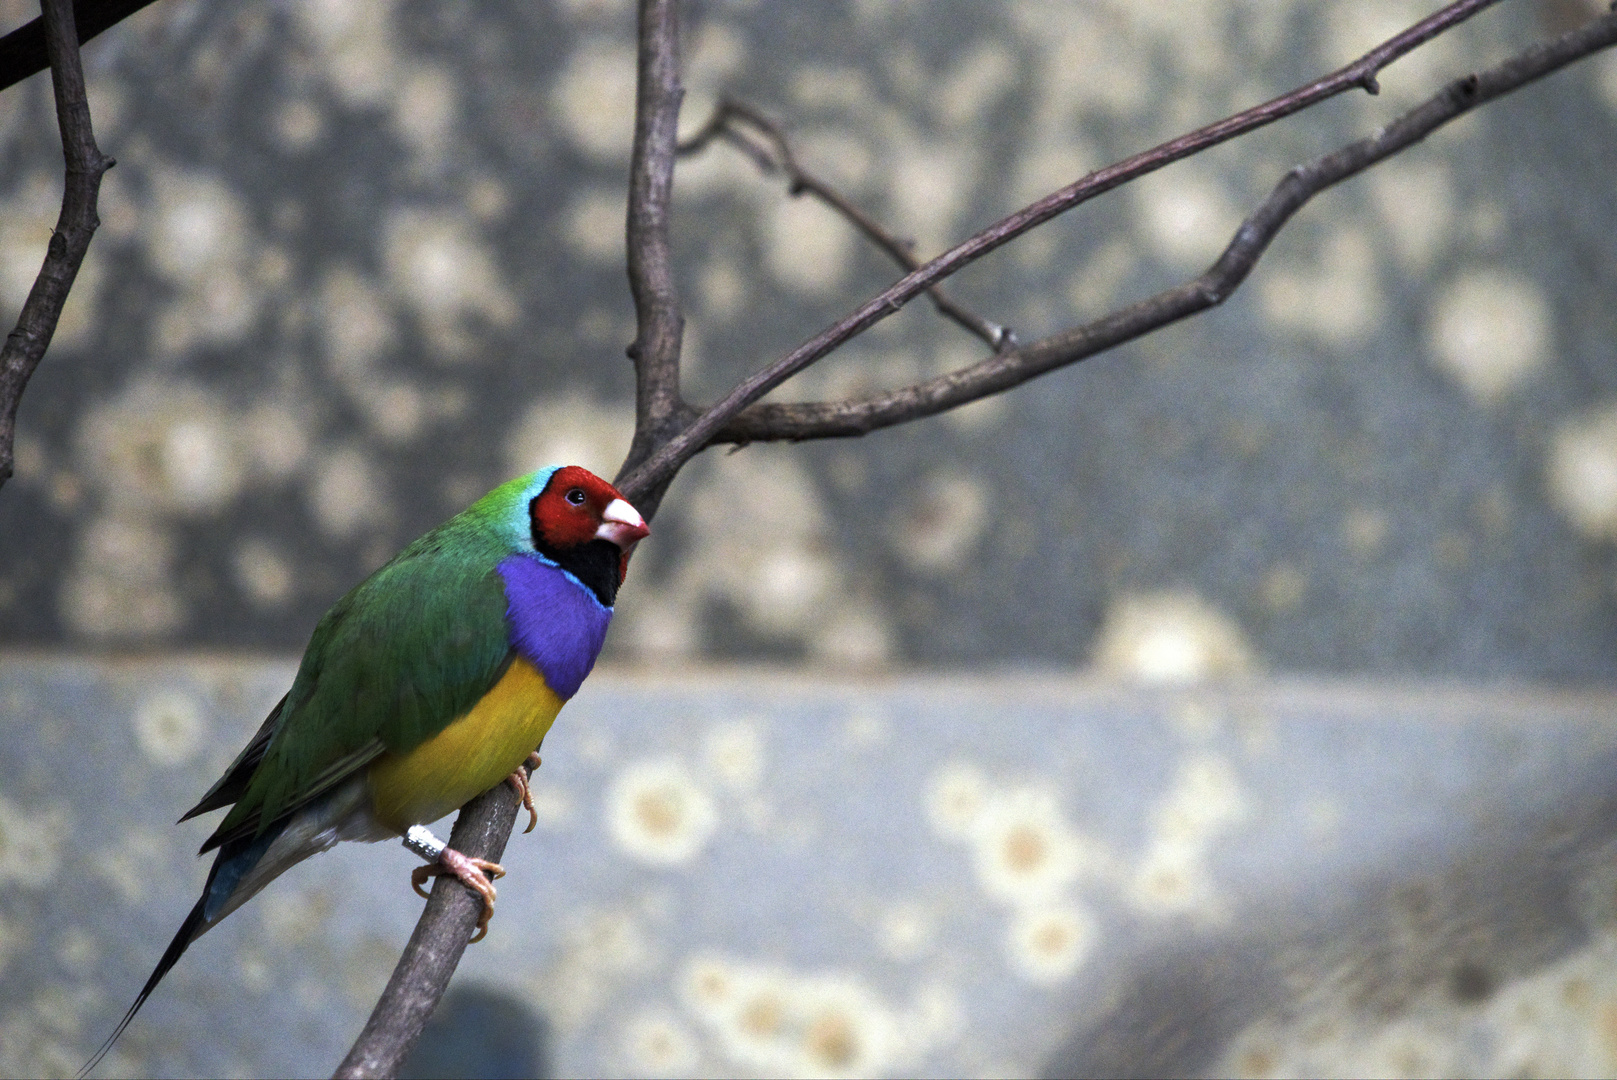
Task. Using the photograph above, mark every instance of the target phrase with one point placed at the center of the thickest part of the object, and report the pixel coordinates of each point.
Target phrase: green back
(409, 649)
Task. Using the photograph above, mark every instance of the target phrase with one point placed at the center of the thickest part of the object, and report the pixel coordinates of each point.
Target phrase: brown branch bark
(661, 326)
(484, 824)
(441, 934)
(22, 52)
(700, 432)
(840, 419)
(85, 164)
(730, 119)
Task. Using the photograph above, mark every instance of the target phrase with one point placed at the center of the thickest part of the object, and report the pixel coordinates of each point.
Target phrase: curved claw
(519, 781)
(471, 872)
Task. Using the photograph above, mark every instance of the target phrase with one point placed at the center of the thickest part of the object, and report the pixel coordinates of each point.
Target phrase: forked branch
(765, 143)
(840, 419)
(85, 165)
(672, 455)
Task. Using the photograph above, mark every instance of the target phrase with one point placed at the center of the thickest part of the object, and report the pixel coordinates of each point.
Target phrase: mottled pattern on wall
(755, 874)
(360, 261)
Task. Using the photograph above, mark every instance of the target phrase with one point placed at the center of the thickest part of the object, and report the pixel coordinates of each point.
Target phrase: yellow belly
(471, 755)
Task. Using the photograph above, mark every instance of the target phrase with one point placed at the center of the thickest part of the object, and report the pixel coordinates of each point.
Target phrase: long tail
(171, 956)
(222, 894)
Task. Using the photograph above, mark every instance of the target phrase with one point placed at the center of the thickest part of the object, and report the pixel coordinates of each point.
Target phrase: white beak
(623, 525)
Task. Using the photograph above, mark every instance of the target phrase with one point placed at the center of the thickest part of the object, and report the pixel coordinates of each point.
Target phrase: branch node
(1371, 84)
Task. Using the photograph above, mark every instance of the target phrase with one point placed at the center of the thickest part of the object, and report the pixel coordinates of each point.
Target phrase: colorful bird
(432, 681)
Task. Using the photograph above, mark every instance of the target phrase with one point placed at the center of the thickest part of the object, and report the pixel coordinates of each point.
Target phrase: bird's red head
(578, 507)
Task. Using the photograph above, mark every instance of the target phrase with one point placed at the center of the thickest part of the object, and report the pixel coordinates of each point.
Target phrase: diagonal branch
(730, 121)
(22, 52)
(85, 164)
(661, 466)
(821, 420)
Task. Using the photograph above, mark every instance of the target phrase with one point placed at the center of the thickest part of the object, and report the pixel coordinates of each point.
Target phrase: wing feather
(392, 663)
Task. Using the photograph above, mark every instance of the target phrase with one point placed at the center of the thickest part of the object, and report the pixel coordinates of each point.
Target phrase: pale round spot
(30, 844)
(1416, 201)
(955, 800)
(396, 410)
(275, 440)
(810, 249)
(354, 38)
(1365, 531)
(1025, 850)
(299, 123)
(1185, 215)
(595, 226)
(928, 184)
(120, 587)
(974, 84)
(657, 1044)
(424, 110)
(658, 813)
(854, 635)
(570, 430)
(1490, 330)
(594, 99)
(1047, 945)
(1334, 302)
(198, 226)
(735, 754)
(1582, 472)
(723, 290)
(906, 931)
(1283, 587)
(1170, 638)
(487, 199)
(440, 265)
(200, 464)
(169, 728)
(941, 528)
(355, 322)
(263, 574)
(776, 1022)
(346, 495)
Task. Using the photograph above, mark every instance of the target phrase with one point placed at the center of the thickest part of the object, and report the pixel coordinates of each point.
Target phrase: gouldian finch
(432, 681)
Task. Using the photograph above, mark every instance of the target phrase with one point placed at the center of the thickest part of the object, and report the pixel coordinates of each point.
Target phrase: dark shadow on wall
(480, 1033)
(1511, 898)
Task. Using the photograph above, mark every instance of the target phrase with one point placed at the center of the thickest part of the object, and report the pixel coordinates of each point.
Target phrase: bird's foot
(474, 873)
(519, 781)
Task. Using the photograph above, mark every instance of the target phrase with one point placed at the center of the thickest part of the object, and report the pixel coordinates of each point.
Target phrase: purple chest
(555, 623)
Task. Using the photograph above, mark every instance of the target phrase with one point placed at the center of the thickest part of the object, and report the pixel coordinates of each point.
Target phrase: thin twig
(656, 470)
(484, 824)
(85, 164)
(22, 52)
(729, 122)
(823, 420)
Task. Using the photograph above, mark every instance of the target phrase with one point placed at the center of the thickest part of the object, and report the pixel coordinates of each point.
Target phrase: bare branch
(484, 825)
(730, 120)
(441, 934)
(85, 164)
(656, 471)
(651, 274)
(22, 52)
(821, 420)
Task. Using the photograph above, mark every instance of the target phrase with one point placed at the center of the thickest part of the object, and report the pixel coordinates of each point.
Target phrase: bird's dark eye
(576, 496)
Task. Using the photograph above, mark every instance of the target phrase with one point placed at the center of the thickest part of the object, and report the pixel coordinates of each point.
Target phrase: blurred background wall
(361, 261)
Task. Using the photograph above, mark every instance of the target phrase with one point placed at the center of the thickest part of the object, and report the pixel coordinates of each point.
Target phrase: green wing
(392, 663)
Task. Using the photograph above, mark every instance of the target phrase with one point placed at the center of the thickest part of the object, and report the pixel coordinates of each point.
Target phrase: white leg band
(421, 841)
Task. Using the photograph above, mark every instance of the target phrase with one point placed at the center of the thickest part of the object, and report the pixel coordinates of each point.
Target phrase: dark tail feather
(182, 940)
